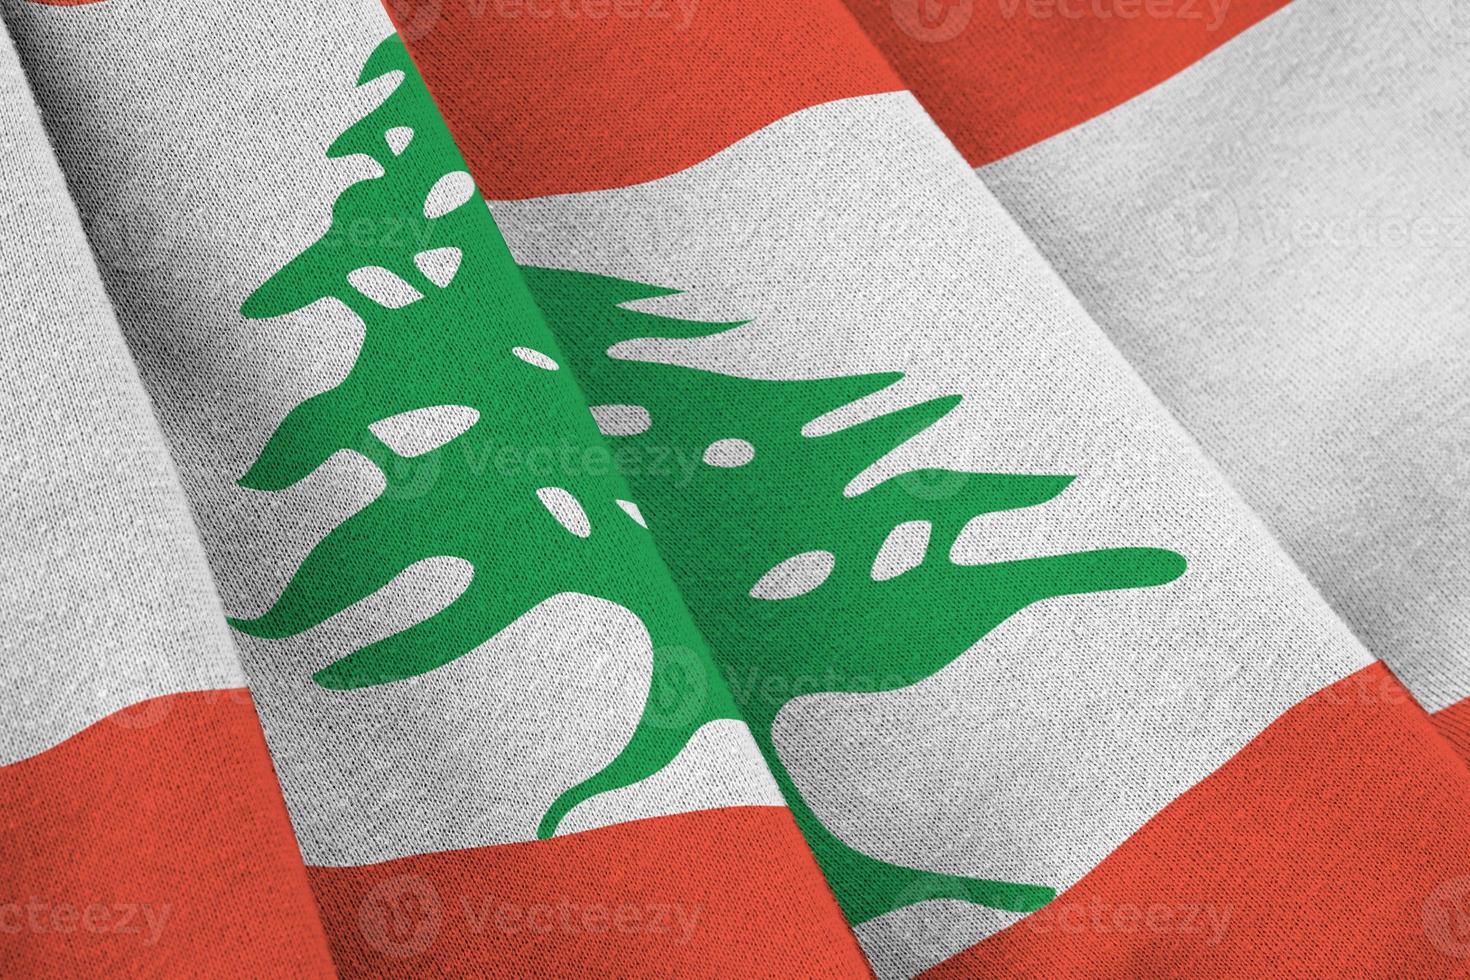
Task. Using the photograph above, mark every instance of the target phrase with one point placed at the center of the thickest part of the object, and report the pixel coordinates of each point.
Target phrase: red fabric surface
(553, 104)
(1001, 75)
(729, 892)
(1454, 724)
(155, 842)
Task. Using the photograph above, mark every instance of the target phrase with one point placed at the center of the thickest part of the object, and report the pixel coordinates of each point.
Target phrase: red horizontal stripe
(717, 893)
(1333, 844)
(552, 96)
(1001, 75)
(155, 842)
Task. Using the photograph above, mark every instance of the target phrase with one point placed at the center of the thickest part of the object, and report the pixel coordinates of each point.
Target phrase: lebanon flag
(756, 543)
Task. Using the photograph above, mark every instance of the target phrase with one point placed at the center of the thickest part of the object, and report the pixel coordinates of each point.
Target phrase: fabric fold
(993, 617)
(458, 635)
(144, 831)
(745, 545)
(1272, 227)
